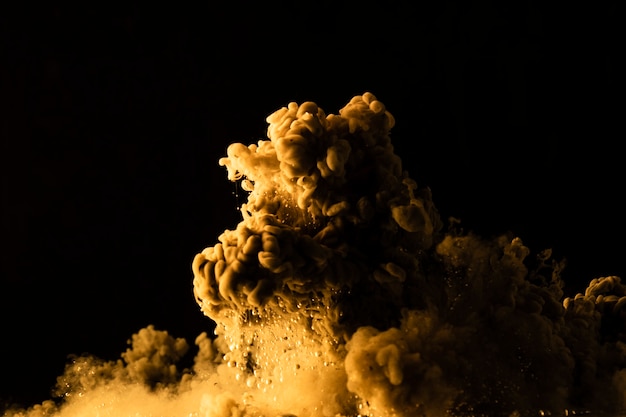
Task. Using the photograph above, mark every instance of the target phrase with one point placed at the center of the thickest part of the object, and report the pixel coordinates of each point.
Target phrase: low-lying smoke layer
(341, 293)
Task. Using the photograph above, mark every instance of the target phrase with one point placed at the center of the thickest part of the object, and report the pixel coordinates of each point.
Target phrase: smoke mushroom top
(343, 293)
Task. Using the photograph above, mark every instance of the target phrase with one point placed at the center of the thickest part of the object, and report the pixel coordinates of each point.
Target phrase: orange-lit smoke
(343, 293)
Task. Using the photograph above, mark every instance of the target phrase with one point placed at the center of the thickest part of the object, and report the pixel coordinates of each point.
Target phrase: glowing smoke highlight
(343, 293)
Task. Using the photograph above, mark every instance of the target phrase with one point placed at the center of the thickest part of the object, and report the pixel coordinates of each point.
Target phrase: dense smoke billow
(343, 292)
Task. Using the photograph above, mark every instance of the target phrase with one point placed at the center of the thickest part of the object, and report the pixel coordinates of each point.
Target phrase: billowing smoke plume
(343, 293)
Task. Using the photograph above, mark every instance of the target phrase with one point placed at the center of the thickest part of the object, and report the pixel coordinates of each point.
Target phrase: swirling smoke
(342, 292)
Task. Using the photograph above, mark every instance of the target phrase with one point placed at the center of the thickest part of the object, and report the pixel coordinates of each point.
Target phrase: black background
(114, 118)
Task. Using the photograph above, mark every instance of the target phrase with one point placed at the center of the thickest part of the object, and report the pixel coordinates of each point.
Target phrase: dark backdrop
(114, 118)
